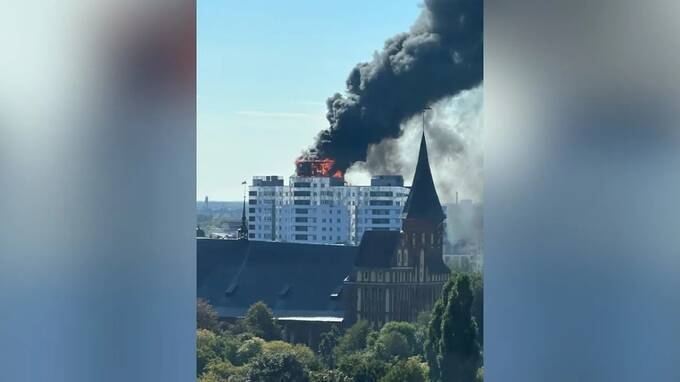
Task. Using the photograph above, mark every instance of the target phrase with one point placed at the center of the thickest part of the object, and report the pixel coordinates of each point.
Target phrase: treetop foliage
(442, 346)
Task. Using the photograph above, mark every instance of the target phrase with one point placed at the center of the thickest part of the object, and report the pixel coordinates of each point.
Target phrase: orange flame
(316, 167)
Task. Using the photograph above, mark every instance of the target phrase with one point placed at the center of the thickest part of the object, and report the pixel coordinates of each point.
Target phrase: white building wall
(322, 210)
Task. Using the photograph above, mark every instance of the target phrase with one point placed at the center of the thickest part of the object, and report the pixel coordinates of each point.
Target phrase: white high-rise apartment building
(323, 209)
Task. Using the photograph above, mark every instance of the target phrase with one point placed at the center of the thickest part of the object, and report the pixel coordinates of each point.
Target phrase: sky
(265, 70)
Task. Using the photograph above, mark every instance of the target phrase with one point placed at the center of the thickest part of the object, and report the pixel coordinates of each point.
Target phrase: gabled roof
(294, 280)
(423, 202)
(377, 248)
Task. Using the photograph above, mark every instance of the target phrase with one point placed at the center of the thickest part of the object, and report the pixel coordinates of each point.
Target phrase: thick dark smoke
(438, 58)
(454, 144)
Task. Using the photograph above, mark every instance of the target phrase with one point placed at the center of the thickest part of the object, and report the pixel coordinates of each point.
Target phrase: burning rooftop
(313, 166)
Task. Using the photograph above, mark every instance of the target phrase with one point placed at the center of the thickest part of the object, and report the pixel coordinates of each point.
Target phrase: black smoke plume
(439, 57)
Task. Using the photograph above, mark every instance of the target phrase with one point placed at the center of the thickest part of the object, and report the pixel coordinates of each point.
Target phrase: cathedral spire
(423, 202)
(243, 230)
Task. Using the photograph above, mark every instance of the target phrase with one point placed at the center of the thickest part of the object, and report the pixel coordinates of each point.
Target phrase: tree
(329, 376)
(434, 333)
(327, 344)
(279, 367)
(355, 338)
(392, 345)
(397, 339)
(261, 322)
(248, 350)
(221, 371)
(477, 280)
(452, 349)
(206, 316)
(409, 370)
(205, 349)
(214, 348)
(362, 367)
(422, 324)
(301, 352)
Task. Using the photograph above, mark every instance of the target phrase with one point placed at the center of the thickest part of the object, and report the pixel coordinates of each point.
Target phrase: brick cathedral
(398, 275)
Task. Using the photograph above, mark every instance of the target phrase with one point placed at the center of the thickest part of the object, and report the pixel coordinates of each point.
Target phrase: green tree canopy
(276, 367)
(355, 338)
(260, 321)
(331, 375)
(397, 339)
(362, 367)
(477, 281)
(248, 350)
(301, 352)
(409, 370)
(205, 349)
(452, 350)
(206, 316)
(392, 345)
(327, 344)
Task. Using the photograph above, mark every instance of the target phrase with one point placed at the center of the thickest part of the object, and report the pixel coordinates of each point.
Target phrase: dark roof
(435, 264)
(423, 202)
(292, 279)
(377, 248)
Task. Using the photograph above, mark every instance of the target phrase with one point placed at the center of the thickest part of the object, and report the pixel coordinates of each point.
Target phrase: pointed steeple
(243, 230)
(423, 202)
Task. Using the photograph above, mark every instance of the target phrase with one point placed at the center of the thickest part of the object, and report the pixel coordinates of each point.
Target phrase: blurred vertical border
(98, 183)
(581, 191)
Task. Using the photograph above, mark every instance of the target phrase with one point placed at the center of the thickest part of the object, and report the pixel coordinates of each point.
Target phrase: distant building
(464, 246)
(398, 275)
(315, 208)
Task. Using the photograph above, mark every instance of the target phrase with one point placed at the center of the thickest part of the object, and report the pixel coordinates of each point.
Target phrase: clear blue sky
(265, 69)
